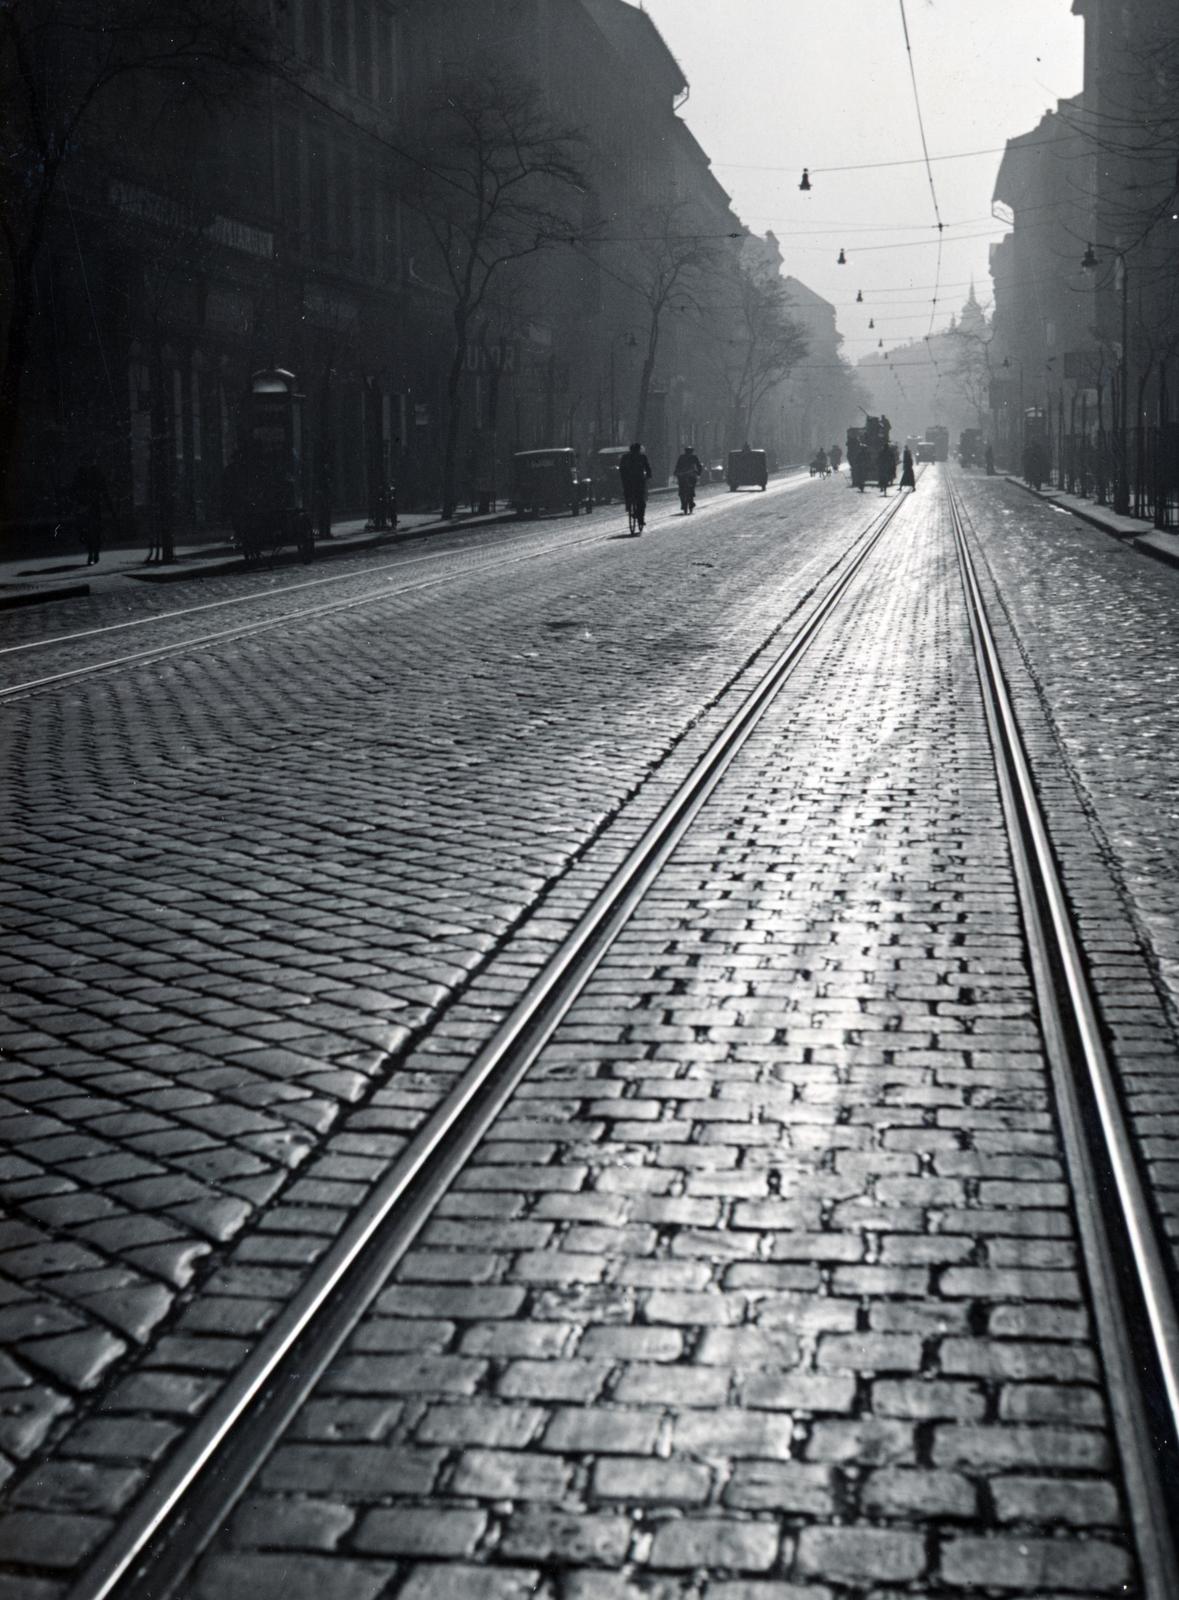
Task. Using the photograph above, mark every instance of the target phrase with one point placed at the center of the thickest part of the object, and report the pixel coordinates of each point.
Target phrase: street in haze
(589, 957)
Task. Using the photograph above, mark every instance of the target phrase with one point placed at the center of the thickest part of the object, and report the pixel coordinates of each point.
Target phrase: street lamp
(1089, 263)
(631, 342)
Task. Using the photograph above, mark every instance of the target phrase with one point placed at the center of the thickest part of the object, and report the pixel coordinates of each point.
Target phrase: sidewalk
(1152, 541)
(34, 580)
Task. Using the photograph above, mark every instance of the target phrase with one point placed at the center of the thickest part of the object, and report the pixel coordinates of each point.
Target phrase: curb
(35, 597)
(1142, 542)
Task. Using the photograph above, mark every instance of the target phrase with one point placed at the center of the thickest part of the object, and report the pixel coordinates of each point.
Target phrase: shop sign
(242, 236)
(484, 359)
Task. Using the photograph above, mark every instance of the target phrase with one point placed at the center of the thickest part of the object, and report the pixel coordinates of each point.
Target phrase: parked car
(747, 468)
(549, 480)
(607, 485)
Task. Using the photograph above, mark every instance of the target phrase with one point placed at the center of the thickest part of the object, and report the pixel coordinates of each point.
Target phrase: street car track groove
(1134, 1309)
(389, 587)
(184, 1505)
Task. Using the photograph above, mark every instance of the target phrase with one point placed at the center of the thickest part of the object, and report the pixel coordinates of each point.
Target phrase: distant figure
(859, 466)
(688, 471)
(908, 476)
(1035, 463)
(89, 491)
(634, 469)
(885, 468)
(325, 482)
(990, 461)
(836, 457)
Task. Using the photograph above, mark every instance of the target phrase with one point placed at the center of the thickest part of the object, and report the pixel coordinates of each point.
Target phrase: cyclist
(688, 470)
(634, 469)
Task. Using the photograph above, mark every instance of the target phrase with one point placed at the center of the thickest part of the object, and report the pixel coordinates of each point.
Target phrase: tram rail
(189, 1498)
(1134, 1312)
(1133, 1302)
(386, 588)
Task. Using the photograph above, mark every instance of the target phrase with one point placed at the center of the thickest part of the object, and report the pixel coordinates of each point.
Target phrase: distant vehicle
(607, 485)
(864, 445)
(926, 450)
(549, 480)
(747, 468)
(970, 447)
(939, 437)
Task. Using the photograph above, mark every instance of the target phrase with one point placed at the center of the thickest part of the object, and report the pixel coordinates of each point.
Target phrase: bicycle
(686, 483)
(636, 511)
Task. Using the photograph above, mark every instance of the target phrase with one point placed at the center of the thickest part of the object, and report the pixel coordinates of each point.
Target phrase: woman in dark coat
(908, 476)
(886, 467)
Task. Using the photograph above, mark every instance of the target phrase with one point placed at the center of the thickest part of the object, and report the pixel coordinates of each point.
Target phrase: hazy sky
(777, 85)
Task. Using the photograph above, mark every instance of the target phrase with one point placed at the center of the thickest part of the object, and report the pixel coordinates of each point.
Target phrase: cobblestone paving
(145, 612)
(238, 882)
(1093, 631)
(766, 1286)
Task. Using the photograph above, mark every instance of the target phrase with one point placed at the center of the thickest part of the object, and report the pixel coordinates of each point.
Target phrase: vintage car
(607, 485)
(549, 480)
(747, 468)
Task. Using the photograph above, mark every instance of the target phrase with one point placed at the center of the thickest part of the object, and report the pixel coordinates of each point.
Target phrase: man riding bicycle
(688, 471)
(634, 469)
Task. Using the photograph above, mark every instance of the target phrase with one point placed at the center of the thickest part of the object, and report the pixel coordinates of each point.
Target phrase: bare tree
(970, 367)
(667, 264)
(756, 345)
(59, 62)
(495, 180)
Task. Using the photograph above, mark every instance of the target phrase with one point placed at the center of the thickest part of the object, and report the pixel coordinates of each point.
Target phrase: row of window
(353, 40)
(335, 202)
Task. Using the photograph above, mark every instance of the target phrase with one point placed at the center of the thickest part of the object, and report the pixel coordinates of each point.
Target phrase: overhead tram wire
(866, 166)
(937, 271)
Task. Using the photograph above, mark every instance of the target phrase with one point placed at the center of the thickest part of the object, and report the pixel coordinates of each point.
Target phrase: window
(384, 54)
(313, 31)
(290, 196)
(342, 40)
(345, 209)
(317, 186)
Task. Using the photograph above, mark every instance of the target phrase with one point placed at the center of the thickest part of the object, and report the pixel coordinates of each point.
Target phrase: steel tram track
(1135, 1317)
(389, 588)
(182, 1508)
(1133, 1304)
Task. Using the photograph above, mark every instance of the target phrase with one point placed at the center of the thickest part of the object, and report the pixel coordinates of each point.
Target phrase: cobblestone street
(767, 1284)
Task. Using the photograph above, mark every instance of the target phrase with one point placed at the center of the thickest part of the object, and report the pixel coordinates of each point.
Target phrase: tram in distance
(937, 444)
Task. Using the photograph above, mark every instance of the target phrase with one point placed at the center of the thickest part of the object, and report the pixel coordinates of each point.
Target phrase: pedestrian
(908, 476)
(885, 467)
(324, 484)
(836, 457)
(90, 493)
(235, 504)
(1035, 464)
(990, 460)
